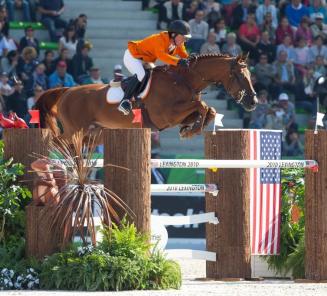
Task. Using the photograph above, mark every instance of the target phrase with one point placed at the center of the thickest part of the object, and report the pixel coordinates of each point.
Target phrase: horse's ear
(242, 59)
(245, 57)
(239, 58)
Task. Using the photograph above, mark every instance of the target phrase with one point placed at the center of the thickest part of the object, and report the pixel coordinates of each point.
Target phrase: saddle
(117, 88)
(143, 85)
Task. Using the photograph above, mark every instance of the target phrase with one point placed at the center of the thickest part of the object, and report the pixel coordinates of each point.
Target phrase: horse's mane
(193, 58)
(196, 57)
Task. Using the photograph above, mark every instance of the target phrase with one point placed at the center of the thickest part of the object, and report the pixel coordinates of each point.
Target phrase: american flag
(265, 193)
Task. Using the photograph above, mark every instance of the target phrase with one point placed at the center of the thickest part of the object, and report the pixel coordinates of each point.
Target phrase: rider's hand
(183, 62)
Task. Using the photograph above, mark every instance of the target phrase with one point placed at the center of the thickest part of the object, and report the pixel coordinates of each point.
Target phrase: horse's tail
(47, 106)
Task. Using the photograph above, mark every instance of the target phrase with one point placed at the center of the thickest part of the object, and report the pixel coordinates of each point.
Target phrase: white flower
(80, 251)
(37, 281)
(19, 278)
(11, 273)
(14, 187)
(30, 270)
(18, 285)
(30, 285)
(5, 281)
(7, 212)
(29, 277)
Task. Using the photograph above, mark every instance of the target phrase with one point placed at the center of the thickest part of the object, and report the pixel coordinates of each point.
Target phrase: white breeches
(133, 65)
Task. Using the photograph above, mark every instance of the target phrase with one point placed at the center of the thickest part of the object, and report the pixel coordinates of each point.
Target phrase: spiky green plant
(74, 211)
(295, 261)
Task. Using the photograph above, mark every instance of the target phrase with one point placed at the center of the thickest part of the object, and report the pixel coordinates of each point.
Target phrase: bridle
(234, 75)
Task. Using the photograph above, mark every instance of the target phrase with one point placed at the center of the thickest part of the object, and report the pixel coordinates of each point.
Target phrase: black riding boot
(125, 105)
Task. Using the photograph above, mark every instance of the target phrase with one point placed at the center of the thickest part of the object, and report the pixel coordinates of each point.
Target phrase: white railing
(214, 163)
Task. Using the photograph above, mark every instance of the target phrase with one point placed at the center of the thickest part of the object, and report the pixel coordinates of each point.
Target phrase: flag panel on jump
(265, 193)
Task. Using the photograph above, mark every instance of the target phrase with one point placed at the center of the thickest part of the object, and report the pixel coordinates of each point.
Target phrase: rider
(163, 46)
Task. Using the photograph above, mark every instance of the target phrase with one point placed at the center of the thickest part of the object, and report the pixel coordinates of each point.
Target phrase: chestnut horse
(174, 98)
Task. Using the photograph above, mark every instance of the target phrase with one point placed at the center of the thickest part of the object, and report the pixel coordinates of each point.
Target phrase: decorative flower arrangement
(121, 260)
(6, 279)
(83, 250)
(9, 279)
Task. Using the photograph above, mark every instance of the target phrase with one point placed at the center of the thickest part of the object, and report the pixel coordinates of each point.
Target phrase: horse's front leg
(201, 109)
(209, 116)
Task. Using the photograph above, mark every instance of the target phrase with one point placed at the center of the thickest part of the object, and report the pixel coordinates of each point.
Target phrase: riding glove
(183, 63)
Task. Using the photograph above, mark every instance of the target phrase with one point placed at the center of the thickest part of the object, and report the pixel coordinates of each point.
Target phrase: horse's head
(239, 85)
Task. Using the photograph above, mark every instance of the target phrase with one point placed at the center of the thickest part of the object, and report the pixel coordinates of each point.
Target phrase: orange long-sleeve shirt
(155, 47)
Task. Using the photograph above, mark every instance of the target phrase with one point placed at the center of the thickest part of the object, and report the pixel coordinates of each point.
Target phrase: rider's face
(179, 40)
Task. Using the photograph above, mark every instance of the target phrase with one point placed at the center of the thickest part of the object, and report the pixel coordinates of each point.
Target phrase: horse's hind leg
(69, 129)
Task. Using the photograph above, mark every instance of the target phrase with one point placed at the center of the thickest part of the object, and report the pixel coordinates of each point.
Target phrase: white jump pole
(232, 164)
(214, 163)
(200, 188)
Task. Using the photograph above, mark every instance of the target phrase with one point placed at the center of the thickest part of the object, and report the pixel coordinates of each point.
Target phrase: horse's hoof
(184, 132)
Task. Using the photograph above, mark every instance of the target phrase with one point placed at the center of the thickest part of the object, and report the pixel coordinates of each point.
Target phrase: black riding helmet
(179, 27)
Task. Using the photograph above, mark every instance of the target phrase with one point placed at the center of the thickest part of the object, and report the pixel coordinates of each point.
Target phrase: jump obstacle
(230, 239)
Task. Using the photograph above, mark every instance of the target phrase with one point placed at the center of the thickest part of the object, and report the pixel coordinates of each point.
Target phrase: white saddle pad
(115, 93)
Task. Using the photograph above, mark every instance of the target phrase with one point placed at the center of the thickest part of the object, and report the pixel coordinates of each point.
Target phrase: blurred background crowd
(29, 66)
(286, 41)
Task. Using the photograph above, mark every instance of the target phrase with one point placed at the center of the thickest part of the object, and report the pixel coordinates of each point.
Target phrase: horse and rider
(164, 47)
(172, 99)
